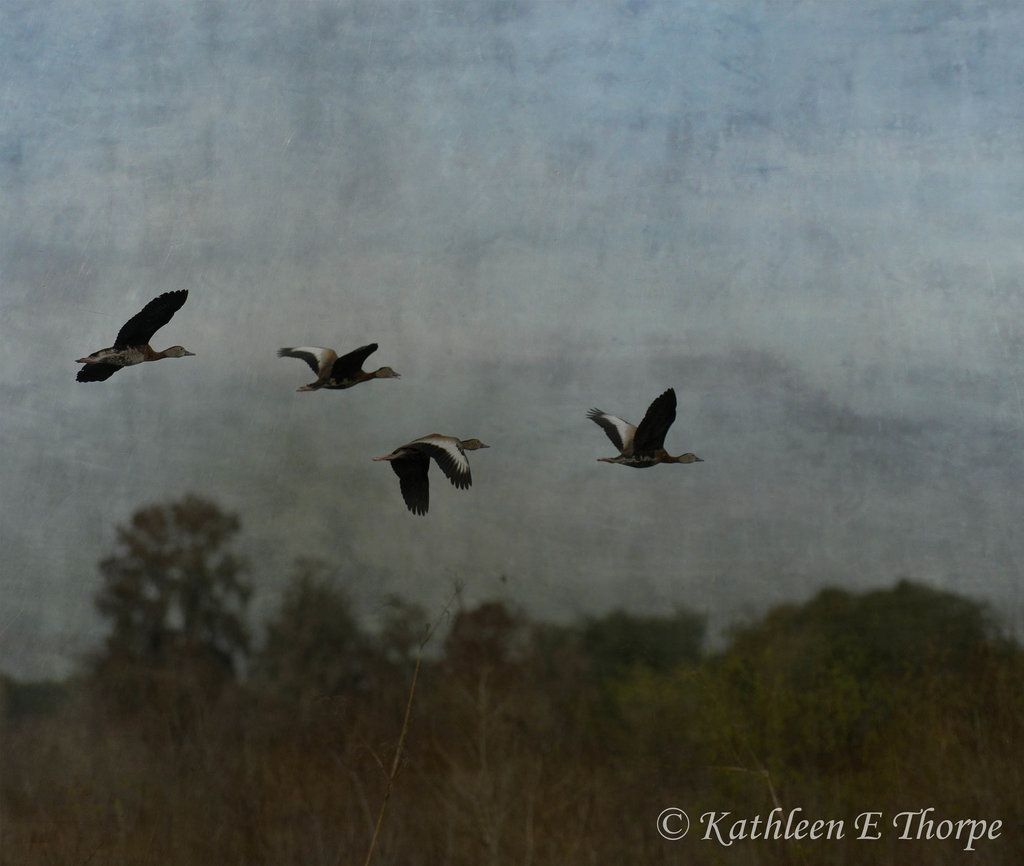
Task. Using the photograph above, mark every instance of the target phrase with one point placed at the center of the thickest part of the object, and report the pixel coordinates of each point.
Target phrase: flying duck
(412, 461)
(642, 446)
(334, 372)
(132, 343)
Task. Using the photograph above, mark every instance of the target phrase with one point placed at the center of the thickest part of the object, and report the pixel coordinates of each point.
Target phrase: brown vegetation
(527, 743)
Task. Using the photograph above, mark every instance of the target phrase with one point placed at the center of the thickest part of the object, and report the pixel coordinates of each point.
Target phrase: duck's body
(131, 346)
(642, 446)
(333, 372)
(412, 460)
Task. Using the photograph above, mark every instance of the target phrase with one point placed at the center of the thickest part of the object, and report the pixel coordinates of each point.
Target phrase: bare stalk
(763, 772)
(399, 748)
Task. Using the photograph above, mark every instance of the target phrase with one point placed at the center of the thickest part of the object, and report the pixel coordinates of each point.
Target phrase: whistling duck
(132, 343)
(412, 461)
(334, 372)
(642, 446)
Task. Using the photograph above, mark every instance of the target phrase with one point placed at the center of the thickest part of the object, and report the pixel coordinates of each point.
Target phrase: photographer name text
(724, 828)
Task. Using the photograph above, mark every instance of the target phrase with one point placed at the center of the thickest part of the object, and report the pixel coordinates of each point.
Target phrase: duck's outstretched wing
(319, 358)
(141, 327)
(411, 470)
(620, 432)
(347, 366)
(650, 434)
(96, 372)
(449, 456)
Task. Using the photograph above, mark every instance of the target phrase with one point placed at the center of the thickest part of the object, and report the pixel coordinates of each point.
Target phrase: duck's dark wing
(96, 372)
(348, 365)
(449, 456)
(141, 327)
(650, 434)
(412, 480)
(620, 432)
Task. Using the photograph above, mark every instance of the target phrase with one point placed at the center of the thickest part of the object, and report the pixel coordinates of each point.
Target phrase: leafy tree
(622, 673)
(314, 646)
(814, 685)
(21, 699)
(173, 592)
(619, 642)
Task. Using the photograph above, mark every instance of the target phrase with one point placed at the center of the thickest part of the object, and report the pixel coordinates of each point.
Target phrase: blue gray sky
(804, 216)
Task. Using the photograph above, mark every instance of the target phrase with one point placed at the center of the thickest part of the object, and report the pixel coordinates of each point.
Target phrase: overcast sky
(804, 216)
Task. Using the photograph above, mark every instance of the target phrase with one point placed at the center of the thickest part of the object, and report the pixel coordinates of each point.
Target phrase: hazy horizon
(802, 216)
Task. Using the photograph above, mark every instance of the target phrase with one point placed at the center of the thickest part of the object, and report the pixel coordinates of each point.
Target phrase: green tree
(314, 646)
(173, 592)
(619, 642)
(623, 677)
(814, 685)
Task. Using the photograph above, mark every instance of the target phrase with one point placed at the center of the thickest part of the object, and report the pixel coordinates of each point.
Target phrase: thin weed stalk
(392, 774)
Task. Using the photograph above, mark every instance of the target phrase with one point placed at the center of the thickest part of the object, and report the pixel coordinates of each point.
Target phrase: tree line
(184, 739)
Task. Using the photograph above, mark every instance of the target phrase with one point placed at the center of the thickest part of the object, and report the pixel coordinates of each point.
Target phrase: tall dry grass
(492, 755)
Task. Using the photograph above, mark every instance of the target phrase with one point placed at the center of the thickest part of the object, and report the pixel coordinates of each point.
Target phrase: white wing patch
(620, 432)
(319, 358)
(449, 457)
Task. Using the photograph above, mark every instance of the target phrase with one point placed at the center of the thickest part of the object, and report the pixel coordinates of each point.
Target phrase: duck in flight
(643, 446)
(132, 343)
(411, 462)
(334, 372)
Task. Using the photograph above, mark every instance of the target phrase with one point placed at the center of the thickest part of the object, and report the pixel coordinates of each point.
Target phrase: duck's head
(689, 457)
(386, 373)
(177, 352)
(473, 445)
